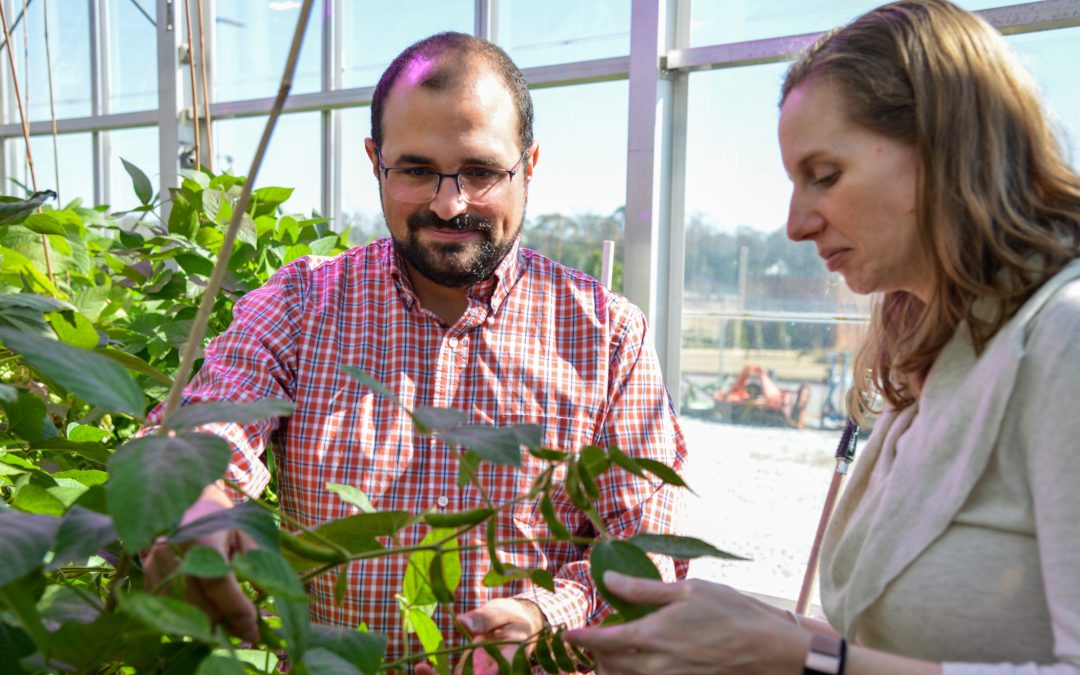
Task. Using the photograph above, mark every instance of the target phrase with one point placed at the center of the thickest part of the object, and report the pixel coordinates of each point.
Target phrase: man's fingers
(608, 639)
(642, 591)
(228, 604)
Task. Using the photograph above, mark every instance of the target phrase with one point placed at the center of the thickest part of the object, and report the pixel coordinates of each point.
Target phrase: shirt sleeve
(1050, 428)
(641, 421)
(254, 359)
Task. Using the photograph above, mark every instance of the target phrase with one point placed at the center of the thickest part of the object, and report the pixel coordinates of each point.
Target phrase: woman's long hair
(998, 209)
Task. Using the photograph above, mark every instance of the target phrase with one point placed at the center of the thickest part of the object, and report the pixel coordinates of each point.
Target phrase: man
(449, 311)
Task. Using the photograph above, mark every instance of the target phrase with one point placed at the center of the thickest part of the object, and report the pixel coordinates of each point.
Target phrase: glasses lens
(411, 185)
(481, 185)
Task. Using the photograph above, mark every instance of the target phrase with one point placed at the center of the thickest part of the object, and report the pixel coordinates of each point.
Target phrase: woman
(925, 172)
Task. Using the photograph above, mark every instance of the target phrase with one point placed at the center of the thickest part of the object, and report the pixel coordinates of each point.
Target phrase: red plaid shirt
(539, 343)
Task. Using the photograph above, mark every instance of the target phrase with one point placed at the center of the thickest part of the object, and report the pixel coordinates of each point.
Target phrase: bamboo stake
(205, 95)
(845, 453)
(26, 131)
(52, 103)
(194, 95)
(198, 328)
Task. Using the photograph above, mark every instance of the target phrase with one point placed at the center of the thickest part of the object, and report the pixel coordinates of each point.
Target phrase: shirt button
(442, 502)
(453, 343)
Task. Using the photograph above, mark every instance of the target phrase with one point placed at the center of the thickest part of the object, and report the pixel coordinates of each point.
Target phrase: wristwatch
(826, 656)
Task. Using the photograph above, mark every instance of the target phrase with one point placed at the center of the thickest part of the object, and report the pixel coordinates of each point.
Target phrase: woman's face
(854, 194)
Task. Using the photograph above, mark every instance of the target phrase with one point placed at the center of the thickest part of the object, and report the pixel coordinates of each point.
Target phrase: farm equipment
(754, 397)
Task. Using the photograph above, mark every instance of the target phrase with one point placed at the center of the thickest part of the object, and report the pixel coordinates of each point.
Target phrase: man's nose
(449, 200)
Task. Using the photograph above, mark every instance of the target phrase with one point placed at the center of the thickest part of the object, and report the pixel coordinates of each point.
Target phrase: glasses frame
(510, 173)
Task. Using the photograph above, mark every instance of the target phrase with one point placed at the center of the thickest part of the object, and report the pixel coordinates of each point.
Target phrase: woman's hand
(701, 627)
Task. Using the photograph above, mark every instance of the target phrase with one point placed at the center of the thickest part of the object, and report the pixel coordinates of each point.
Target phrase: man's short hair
(447, 73)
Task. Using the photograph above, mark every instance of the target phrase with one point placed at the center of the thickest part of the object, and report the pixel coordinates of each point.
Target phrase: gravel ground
(759, 494)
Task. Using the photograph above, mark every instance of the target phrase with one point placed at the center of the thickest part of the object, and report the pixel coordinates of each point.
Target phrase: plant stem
(198, 328)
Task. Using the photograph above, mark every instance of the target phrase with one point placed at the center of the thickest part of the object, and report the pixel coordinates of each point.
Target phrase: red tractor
(755, 398)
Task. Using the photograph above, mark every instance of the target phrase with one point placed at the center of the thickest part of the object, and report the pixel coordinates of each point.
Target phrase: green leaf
(426, 629)
(543, 579)
(544, 655)
(295, 625)
(435, 419)
(195, 264)
(262, 661)
(355, 534)
(88, 375)
(625, 461)
(557, 527)
(510, 573)
(662, 471)
(141, 184)
(84, 433)
(363, 650)
(322, 661)
(134, 363)
(416, 586)
(352, 496)
(623, 557)
(15, 643)
(8, 394)
(27, 538)
(74, 329)
(198, 414)
(61, 604)
(39, 303)
(13, 210)
(26, 416)
(562, 656)
(95, 452)
(220, 665)
(498, 445)
(44, 223)
(248, 517)
(36, 499)
(155, 479)
(173, 617)
(271, 197)
(679, 547)
(269, 571)
(204, 562)
(82, 533)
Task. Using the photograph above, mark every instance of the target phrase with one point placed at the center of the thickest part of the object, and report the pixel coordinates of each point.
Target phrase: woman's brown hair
(998, 208)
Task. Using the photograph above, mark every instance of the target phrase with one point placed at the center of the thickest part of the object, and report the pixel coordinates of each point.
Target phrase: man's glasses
(419, 185)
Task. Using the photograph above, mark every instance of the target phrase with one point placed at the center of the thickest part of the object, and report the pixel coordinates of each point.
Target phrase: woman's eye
(827, 179)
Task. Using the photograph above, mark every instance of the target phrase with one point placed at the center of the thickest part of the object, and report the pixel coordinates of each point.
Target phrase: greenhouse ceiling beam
(1028, 17)
(548, 76)
(71, 125)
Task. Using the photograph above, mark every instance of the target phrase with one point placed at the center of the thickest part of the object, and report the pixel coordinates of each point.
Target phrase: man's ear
(372, 151)
(531, 157)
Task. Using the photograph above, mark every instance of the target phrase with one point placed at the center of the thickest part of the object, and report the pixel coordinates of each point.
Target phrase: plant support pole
(52, 103)
(205, 95)
(845, 453)
(26, 131)
(194, 94)
(202, 318)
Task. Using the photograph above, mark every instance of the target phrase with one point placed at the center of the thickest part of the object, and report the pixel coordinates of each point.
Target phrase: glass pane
(292, 160)
(361, 211)
(138, 147)
(133, 55)
(561, 31)
(765, 363)
(76, 176)
(251, 45)
(1049, 55)
(69, 47)
(578, 190)
(372, 39)
(739, 20)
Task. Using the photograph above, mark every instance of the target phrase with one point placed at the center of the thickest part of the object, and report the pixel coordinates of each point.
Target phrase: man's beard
(457, 264)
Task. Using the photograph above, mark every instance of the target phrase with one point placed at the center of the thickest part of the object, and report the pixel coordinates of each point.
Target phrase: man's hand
(499, 619)
(221, 598)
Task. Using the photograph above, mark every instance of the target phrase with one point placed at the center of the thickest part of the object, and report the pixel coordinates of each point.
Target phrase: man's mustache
(462, 223)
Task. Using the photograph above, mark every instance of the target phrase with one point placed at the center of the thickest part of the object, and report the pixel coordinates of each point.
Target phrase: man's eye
(417, 172)
(480, 173)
